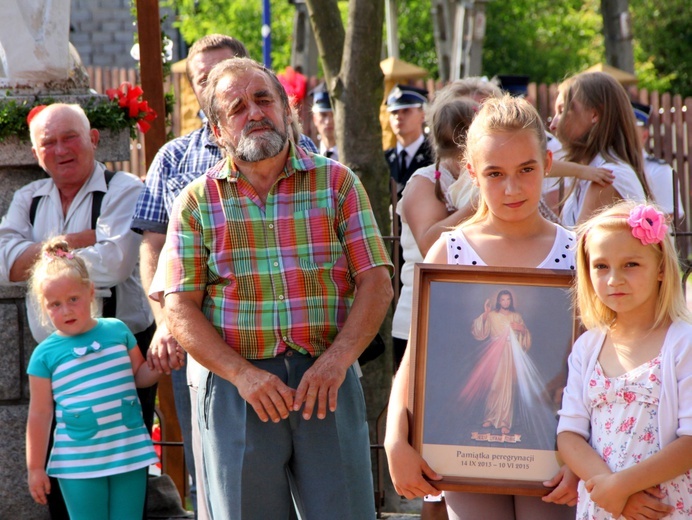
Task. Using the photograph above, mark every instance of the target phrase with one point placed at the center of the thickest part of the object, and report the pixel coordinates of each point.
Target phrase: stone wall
(17, 345)
(103, 32)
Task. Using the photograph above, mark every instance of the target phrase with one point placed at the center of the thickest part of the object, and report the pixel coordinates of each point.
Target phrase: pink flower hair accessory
(648, 224)
(58, 254)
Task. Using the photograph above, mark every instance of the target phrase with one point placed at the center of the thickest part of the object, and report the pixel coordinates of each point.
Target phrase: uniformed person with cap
(323, 119)
(659, 174)
(412, 151)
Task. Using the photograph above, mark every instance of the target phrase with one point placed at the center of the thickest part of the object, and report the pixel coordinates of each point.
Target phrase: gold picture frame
(488, 375)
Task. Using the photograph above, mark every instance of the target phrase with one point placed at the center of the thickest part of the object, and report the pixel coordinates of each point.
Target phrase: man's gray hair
(236, 67)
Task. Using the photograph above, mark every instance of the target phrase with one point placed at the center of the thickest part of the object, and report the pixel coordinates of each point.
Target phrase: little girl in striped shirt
(86, 373)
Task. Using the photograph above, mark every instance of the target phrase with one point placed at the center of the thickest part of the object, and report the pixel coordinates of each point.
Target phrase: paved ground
(407, 510)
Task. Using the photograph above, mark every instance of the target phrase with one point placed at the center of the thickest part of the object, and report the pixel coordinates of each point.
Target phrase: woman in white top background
(594, 121)
(426, 207)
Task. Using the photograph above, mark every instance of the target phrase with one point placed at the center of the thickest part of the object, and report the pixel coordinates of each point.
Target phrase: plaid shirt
(177, 164)
(277, 275)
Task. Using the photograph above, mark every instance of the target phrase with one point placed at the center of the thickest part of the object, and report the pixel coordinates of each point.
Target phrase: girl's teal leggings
(116, 497)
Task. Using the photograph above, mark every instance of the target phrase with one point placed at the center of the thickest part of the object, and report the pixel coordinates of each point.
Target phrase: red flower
(294, 83)
(128, 97)
(628, 397)
(34, 112)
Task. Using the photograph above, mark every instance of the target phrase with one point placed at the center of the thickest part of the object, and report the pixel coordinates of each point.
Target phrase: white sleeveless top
(561, 256)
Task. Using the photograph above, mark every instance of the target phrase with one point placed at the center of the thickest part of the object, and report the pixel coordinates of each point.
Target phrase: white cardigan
(675, 406)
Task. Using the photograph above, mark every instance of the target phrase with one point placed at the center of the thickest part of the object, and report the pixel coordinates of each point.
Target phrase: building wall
(103, 32)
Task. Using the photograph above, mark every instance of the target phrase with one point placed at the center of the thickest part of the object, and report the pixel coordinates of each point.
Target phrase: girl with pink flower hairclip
(626, 420)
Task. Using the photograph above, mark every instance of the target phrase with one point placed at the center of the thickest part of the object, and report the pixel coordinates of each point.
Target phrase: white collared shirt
(324, 150)
(112, 261)
(411, 150)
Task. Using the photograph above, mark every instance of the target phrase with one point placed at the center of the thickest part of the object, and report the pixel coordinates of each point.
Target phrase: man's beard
(258, 147)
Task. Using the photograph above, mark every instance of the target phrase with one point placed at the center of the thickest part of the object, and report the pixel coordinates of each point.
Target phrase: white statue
(34, 42)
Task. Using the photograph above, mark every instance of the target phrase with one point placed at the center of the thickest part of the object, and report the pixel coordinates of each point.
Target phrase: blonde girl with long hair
(86, 373)
(506, 157)
(626, 420)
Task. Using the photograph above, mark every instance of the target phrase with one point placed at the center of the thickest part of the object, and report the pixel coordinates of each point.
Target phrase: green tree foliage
(663, 44)
(416, 36)
(549, 40)
(241, 19)
(546, 39)
(542, 38)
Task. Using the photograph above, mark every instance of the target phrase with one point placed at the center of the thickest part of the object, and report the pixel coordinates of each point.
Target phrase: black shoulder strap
(96, 200)
(32, 209)
(110, 303)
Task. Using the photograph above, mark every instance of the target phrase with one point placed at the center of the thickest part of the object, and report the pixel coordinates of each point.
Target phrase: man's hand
(266, 393)
(164, 354)
(39, 485)
(647, 505)
(517, 327)
(320, 384)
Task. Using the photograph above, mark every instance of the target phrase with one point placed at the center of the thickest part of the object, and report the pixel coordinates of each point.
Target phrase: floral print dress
(624, 431)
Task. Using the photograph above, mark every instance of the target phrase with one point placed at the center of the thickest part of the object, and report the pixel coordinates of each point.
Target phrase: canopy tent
(395, 71)
(189, 107)
(624, 78)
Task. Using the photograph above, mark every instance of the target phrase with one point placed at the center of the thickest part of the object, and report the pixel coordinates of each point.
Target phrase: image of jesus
(505, 337)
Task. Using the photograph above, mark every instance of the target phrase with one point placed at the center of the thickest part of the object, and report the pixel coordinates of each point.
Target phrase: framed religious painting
(489, 363)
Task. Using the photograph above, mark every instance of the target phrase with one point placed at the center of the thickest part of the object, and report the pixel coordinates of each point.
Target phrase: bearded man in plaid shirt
(277, 280)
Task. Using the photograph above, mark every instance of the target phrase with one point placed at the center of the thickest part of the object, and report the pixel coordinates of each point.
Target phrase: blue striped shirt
(99, 426)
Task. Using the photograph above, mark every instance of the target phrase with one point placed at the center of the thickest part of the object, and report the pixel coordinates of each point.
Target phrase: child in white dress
(626, 421)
